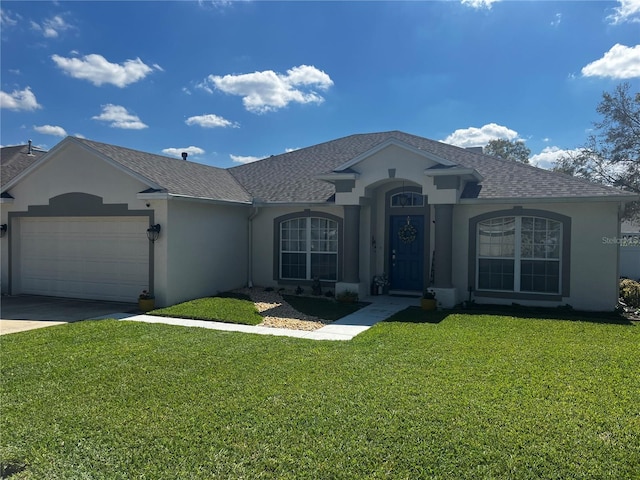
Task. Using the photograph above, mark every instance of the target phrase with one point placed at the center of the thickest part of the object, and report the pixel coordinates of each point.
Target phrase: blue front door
(406, 252)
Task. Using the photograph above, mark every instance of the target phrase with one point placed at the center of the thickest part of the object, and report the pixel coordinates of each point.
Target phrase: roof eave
(466, 173)
(164, 195)
(331, 177)
(289, 203)
(220, 201)
(608, 198)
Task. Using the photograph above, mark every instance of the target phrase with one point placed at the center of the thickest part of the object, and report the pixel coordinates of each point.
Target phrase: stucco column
(351, 254)
(443, 246)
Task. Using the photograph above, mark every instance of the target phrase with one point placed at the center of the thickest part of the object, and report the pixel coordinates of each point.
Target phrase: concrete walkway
(346, 328)
(27, 312)
(14, 326)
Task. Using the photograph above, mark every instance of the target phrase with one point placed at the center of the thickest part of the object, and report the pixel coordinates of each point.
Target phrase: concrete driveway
(26, 312)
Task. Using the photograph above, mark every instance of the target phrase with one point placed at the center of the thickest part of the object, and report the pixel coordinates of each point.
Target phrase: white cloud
(119, 117)
(248, 159)
(51, 130)
(627, 11)
(51, 27)
(98, 70)
(478, 4)
(556, 20)
(267, 91)
(177, 152)
(620, 62)
(549, 155)
(479, 137)
(6, 20)
(19, 100)
(210, 121)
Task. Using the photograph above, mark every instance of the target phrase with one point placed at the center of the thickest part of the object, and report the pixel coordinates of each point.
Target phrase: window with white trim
(519, 254)
(309, 249)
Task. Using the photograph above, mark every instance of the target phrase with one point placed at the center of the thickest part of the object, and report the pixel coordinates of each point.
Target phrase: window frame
(411, 194)
(563, 257)
(517, 256)
(308, 215)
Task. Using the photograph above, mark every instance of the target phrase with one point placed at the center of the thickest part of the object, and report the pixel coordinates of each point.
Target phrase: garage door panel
(85, 257)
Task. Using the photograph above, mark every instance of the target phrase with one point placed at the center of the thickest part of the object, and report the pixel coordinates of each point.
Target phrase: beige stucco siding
(374, 171)
(594, 263)
(204, 250)
(70, 170)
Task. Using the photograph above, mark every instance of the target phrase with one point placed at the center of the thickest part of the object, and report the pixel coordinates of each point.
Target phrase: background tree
(611, 155)
(509, 150)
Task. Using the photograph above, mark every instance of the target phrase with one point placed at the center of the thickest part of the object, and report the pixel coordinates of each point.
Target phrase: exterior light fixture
(3, 229)
(153, 232)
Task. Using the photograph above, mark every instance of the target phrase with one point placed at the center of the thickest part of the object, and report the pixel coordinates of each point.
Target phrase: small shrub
(630, 292)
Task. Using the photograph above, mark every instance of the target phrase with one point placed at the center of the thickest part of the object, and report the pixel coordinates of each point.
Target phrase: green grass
(228, 307)
(470, 397)
(238, 308)
(326, 309)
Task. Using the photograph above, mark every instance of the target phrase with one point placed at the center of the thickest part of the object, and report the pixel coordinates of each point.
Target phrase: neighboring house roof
(15, 159)
(289, 177)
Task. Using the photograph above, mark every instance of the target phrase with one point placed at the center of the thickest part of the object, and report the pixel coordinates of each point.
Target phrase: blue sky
(235, 81)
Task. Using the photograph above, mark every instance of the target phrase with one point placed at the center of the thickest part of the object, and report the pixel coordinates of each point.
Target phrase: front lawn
(470, 397)
(230, 308)
(238, 308)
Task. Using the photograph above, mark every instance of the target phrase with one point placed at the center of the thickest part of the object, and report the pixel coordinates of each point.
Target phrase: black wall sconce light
(3, 230)
(153, 232)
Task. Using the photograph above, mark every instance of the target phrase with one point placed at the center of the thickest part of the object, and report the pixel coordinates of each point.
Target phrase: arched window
(308, 249)
(407, 199)
(519, 254)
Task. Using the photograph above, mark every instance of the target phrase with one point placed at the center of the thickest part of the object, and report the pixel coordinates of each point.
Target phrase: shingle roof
(289, 177)
(178, 177)
(15, 159)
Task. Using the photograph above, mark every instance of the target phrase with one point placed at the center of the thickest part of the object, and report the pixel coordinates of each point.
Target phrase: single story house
(421, 213)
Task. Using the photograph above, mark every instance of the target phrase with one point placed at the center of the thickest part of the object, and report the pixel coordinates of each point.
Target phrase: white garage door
(101, 258)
